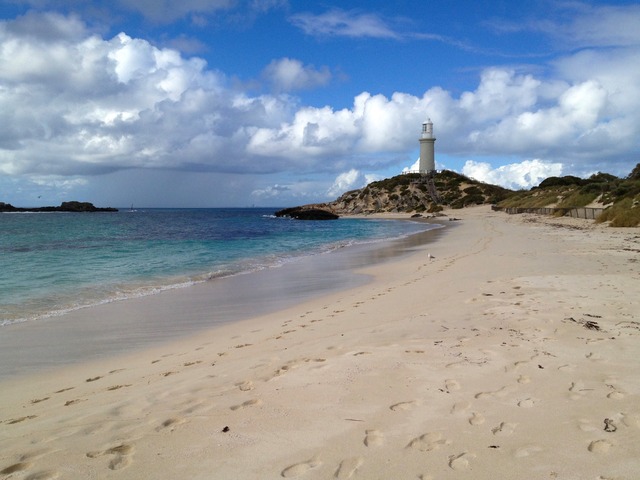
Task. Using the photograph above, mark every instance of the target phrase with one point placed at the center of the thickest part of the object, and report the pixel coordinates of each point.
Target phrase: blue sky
(217, 103)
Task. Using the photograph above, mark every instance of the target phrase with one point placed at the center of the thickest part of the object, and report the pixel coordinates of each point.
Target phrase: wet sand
(510, 352)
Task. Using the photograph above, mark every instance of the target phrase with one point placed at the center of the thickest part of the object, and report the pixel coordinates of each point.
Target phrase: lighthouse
(427, 150)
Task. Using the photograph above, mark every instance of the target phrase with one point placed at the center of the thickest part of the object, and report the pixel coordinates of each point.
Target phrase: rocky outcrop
(64, 207)
(307, 213)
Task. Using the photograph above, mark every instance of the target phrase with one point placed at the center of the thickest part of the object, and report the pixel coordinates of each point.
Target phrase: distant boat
(131, 209)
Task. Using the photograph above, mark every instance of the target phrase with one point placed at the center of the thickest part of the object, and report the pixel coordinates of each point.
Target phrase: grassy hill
(405, 193)
(620, 197)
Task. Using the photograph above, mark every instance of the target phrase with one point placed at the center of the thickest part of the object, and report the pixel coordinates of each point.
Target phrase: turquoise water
(52, 263)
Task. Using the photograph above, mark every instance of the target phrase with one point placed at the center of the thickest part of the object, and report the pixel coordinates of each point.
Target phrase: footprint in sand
(524, 379)
(35, 454)
(16, 467)
(248, 403)
(476, 419)
(122, 456)
(246, 386)
(460, 407)
(577, 390)
(595, 357)
(38, 400)
(428, 441)
(586, 426)
(631, 420)
(396, 407)
(170, 423)
(527, 403)
(348, 467)
(451, 385)
(504, 429)
(568, 368)
(64, 390)
(502, 392)
(616, 395)
(13, 421)
(520, 363)
(373, 438)
(600, 446)
(527, 450)
(43, 475)
(301, 468)
(460, 461)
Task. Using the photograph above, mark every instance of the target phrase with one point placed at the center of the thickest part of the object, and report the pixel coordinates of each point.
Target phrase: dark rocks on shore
(64, 207)
(301, 213)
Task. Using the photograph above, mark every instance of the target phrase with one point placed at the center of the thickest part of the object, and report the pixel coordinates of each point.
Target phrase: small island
(73, 207)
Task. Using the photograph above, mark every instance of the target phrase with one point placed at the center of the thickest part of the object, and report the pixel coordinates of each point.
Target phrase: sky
(238, 103)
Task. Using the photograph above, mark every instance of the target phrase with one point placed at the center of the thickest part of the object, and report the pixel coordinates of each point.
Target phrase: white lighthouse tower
(427, 149)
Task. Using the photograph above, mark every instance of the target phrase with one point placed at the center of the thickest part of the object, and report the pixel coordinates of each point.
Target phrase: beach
(506, 348)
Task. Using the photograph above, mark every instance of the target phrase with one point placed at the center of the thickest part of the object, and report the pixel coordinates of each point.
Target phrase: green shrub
(578, 199)
(561, 181)
(473, 190)
(621, 214)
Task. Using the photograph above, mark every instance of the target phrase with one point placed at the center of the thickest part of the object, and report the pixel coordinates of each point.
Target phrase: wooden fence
(575, 212)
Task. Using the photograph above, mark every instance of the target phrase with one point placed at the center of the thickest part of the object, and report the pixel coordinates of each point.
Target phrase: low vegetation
(409, 193)
(619, 197)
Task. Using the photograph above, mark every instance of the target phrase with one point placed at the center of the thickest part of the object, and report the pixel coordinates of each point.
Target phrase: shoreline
(46, 297)
(479, 363)
(118, 327)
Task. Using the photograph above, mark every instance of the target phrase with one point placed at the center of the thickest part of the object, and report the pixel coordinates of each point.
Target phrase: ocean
(56, 263)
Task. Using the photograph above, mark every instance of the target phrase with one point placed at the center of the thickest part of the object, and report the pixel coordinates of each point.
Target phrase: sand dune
(513, 353)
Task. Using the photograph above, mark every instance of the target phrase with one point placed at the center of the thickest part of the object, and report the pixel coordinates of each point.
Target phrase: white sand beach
(513, 353)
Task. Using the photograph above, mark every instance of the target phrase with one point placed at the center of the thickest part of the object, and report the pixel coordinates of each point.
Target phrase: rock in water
(301, 213)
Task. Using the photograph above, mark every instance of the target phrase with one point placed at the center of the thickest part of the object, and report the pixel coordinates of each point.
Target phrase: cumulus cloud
(413, 168)
(287, 74)
(524, 175)
(346, 181)
(73, 103)
(76, 103)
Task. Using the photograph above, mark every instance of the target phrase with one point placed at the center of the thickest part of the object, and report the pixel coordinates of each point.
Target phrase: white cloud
(271, 191)
(500, 93)
(91, 105)
(524, 175)
(604, 26)
(288, 74)
(58, 182)
(413, 168)
(347, 181)
(297, 192)
(342, 23)
(74, 104)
